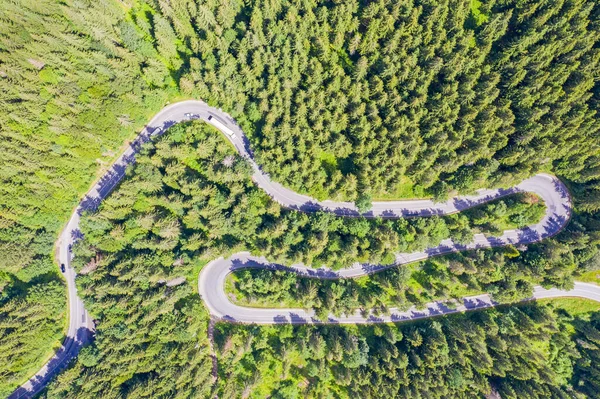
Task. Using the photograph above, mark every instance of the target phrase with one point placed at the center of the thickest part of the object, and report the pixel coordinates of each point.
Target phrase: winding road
(212, 277)
(212, 280)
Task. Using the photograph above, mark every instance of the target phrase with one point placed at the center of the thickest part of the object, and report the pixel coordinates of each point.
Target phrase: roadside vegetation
(449, 277)
(72, 94)
(348, 99)
(583, 308)
(32, 325)
(523, 351)
(592, 276)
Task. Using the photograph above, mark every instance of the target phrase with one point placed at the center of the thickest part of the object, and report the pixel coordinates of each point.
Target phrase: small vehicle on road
(189, 115)
(62, 267)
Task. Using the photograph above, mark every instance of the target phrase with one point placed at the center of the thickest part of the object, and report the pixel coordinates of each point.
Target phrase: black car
(62, 267)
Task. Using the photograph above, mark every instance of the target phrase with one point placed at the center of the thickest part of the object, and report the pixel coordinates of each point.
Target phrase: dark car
(62, 267)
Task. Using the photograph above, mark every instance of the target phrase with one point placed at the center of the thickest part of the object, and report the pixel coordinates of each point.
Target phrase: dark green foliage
(363, 202)
(504, 273)
(182, 205)
(521, 351)
(32, 318)
(586, 371)
(151, 340)
(71, 95)
(346, 97)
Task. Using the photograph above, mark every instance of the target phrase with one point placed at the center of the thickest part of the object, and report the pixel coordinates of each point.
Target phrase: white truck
(220, 125)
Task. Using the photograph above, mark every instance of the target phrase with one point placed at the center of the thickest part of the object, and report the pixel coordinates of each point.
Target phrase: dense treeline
(191, 194)
(520, 352)
(450, 277)
(508, 274)
(151, 342)
(405, 98)
(32, 316)
(188, 199)
(503, 273)
(395, 97)
(71, 95)
(323, 239)
(587, 339)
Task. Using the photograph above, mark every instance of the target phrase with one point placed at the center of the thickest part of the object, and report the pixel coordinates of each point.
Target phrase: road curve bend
(212, 282)
(549, 188)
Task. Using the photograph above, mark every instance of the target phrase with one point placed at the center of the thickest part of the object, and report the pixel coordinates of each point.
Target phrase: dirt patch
(176, 281)
(92, 264)
(36, 63)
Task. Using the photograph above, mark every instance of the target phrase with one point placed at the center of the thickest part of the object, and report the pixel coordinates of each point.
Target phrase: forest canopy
(341, 99)
(188, 199)
(395, 97)
(70, 95)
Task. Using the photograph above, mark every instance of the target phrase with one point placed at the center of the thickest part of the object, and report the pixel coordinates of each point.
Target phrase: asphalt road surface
(211, 279)
(80, 329)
